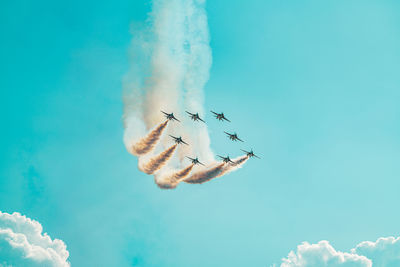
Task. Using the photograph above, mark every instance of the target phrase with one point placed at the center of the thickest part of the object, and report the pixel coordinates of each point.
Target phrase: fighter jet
(226, 159)
(250, 153)
(220, 116)
(194, 116)
(179, 140)
(195, 161)
(170, 116)
(233, 137)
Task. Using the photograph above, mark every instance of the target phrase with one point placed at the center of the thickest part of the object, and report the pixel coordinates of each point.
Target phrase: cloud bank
(22, 243)
(385, 252)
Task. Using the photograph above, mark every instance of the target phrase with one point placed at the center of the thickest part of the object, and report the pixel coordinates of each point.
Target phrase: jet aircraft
(250, 153)
(220, 116)
(233, 137)
(195, 161)
(178, 140)
(170, 116)
(226, 159)
(194, 116)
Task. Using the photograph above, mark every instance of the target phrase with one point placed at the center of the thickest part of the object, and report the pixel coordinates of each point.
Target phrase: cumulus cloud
(23, 243)
(323, 254)
(385, 252)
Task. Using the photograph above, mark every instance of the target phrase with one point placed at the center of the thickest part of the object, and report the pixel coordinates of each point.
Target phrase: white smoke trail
(215, 170)
(148, 143)
(171, 180)
(157, 162)
(206, 174)
(199, 60)
(183, 173)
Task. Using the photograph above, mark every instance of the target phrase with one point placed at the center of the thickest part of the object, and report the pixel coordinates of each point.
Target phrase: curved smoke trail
(215, 171)
(147, 143)
(158, 161)
(172, 180)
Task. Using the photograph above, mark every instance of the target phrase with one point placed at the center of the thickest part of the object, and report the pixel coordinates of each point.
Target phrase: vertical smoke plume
(215, 171)
(170, 63)
(158, 161)
(148, 143)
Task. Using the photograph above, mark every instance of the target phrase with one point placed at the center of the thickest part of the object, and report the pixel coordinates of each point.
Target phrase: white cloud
(323, 254)
(385, 252)
(22, 243)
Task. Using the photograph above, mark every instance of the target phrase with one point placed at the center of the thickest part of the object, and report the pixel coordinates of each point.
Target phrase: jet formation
(219, 116)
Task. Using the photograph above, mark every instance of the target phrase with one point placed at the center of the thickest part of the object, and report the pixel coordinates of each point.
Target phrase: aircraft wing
(226, 119)
(201, 163)
(165, 113)
(228, 133)
(214, 112)
(176, 119)
(245, 151)
(257, 156)
(201, 120)
(239, 139)
(220, 156)
(189, 113)
(190, 158)
(185, 143)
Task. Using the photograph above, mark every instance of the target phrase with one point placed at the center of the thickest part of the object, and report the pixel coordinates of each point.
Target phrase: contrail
(215, 171)
(158, 161)
(147, 143)
(172, 180)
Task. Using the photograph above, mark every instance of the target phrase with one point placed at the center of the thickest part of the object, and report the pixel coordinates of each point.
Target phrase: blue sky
(313, 87)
